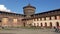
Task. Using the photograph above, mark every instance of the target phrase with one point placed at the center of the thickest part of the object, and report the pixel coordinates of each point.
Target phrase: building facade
(29, 10)
(9, 19)
(47, 19)
(29, 18)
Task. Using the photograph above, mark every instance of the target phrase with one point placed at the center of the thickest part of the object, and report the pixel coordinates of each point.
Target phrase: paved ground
(28, 31)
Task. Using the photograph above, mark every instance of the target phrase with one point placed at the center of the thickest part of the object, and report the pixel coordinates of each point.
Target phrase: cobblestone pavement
(28, 31)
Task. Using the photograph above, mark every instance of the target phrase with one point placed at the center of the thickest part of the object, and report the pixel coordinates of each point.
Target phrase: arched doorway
(57, 24)
(41, 24)
(24, 24)
(34, 24)
(45, 24)
(50, 24)
(37, 24)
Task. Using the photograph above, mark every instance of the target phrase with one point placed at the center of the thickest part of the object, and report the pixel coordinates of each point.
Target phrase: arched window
(41, 19)
(41, 24)
(37, 19)
(34, 19)
(57, 24)
(45, 18)
(37, 24)
(34, 24)
(0, 21)
(45, 24)
(55, 17)
(24, 24)
(50, 17)
(50, 24)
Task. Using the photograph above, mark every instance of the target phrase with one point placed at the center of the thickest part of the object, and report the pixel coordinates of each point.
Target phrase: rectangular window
(14, 20)
(5, 20)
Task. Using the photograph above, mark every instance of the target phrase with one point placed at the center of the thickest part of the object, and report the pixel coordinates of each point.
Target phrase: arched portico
(57, 24)
(45, 24)
(41, 24)
(50, 24)
(24, 24)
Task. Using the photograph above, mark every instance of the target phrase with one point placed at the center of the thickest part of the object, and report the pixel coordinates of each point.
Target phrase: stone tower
(29, 10)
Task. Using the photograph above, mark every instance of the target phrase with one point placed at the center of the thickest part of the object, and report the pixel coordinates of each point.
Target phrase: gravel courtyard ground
(28, 31)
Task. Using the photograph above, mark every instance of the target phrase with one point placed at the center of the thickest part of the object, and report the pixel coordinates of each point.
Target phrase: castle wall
(47, 21)
(10, 20)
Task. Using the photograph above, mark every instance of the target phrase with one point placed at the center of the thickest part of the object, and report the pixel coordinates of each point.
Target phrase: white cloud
(3, 8)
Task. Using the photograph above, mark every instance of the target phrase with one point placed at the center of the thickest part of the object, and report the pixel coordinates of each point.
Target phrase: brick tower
(29, 10)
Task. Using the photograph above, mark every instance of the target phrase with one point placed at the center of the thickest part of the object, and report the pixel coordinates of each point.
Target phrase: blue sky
(41, 5)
